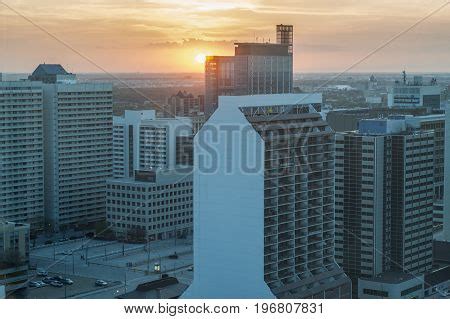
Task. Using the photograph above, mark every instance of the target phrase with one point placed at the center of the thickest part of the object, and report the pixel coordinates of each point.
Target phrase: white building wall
(154, 141)
(228, 213)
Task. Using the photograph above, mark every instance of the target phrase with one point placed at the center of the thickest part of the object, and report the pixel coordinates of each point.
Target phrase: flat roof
(392, 277)
(163, 177)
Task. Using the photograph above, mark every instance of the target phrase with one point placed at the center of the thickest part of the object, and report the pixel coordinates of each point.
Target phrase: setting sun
(200, 58)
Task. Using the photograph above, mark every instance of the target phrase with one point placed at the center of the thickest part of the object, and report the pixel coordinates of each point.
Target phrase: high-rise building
(153, 205)
(384, 199)
(415, 94)
(77, 148)
(285, 35)
(22, 155)
(416, 119)
(14, 255)
(264, 201)
(256, 68)
(143, 141)
(446, 218)
(435, 123)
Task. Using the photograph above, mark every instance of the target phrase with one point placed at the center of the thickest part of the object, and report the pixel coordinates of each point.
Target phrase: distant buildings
(14, 255)
(384, 199)
(415, 94)
(256, 68)
(264, 221)
(22, 153)
(143, 141)
(77, 148)
(151, 206)
(185, 104)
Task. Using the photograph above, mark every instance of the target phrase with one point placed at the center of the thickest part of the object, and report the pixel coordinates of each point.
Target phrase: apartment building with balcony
(22, 155)
(78, 146)
(142, 141)
(264, 201)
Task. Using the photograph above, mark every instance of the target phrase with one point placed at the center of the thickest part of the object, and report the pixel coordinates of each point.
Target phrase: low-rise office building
(392, 285)
(14, 255)
(151, 206)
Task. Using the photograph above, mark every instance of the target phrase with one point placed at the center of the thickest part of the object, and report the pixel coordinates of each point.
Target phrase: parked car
(101, 283)
(48, 242)
(67, 252)
(66, 281)
(34, 284)
(191, 268)
(56, 278)
(42, 273)
(56, 284)
(48, 280)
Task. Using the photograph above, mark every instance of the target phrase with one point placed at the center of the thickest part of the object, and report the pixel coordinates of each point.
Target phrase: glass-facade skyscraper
(256, 68)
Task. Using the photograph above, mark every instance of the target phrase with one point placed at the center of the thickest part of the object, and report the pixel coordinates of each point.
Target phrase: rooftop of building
(437, 277)
(392, 277)
(165, 288)
(4, 224)
(261, 49)
(149, 116)
(49, 69)
(441, 251)
(158, 177)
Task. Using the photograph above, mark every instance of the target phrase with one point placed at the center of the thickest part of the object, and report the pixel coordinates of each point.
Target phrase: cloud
(163, 35)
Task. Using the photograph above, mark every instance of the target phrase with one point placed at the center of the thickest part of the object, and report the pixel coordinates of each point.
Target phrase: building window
(378, 293)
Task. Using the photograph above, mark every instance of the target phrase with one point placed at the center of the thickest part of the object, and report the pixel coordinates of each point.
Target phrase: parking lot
(123, 265)
(80, 286)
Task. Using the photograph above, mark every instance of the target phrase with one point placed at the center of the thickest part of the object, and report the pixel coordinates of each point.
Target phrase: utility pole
(148, 255)
(125, 280)
(65, 275)
(175, 237)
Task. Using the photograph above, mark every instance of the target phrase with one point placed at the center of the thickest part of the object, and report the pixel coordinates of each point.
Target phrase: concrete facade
(384, 201)
(14, 255)
(158, 205)
(144, 142)
(272, 235)
(22, 155)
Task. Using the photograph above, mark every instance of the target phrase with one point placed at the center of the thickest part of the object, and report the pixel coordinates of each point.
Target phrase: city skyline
(166, 36)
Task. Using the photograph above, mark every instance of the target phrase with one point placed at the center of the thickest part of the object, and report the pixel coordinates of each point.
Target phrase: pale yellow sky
(166, 35)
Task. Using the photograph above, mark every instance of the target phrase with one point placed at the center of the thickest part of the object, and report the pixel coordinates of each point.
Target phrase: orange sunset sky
(168, 35)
